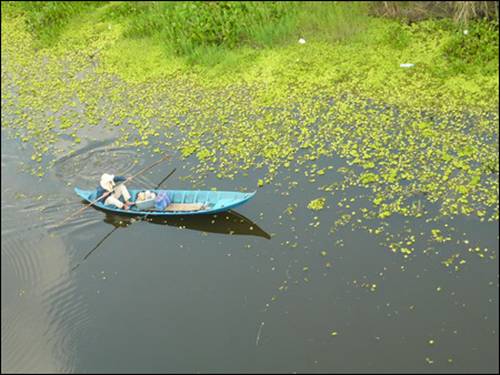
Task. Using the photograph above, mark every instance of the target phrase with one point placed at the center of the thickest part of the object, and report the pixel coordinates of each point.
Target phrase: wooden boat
(214, 201)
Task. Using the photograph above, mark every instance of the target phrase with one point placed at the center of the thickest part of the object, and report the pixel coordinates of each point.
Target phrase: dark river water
(255, 290)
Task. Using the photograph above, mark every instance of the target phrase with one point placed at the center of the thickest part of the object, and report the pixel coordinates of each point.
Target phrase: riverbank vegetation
(211, 33)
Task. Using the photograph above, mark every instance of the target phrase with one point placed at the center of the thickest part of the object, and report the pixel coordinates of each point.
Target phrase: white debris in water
(258, 333)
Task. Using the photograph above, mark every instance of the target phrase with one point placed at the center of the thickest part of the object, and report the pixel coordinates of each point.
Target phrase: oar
(122, 183)
(165, 179)
(115, 228)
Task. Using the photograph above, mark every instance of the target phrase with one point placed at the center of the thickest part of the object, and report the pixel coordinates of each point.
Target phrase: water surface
(261, 289)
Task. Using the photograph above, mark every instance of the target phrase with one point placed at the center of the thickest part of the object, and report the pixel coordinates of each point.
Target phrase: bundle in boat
(178, 207)
(163, 202)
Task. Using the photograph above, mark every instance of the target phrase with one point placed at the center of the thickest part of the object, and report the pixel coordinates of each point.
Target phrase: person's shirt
(100, 190)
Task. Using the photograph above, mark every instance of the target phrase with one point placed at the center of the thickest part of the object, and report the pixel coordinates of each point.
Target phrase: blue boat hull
(215, 201)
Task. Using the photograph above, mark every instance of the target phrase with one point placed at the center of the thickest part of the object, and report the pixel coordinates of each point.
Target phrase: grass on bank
(206, 33)
(344, 41)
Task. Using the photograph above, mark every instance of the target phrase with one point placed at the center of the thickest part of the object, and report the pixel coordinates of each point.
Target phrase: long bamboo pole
(122, 183)
(115, 228)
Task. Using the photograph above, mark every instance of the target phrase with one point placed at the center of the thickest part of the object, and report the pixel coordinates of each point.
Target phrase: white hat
(107, 182)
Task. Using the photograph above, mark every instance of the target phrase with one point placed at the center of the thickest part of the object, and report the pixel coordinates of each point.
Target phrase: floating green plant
(317, 204)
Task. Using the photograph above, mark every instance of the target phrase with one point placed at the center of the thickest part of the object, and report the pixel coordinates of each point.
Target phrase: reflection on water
(229, 222)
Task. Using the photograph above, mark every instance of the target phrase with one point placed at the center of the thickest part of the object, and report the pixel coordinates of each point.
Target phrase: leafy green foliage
(477, 48)
(189, 25)
(46, 19)
(397, 36)
(332, 21)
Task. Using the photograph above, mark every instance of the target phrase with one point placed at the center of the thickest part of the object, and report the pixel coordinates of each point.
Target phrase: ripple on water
(20, 353)
(43, 312)
(77, 224)
(84, 167)
(67, 313)
(45, 214)
(23, 259)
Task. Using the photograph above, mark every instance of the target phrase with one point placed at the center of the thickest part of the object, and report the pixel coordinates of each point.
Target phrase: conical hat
(107, 182)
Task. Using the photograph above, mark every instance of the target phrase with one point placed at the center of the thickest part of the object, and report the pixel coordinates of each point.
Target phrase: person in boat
(112, 197)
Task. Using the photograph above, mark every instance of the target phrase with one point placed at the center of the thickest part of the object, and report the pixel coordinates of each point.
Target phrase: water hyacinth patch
(317, 204)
